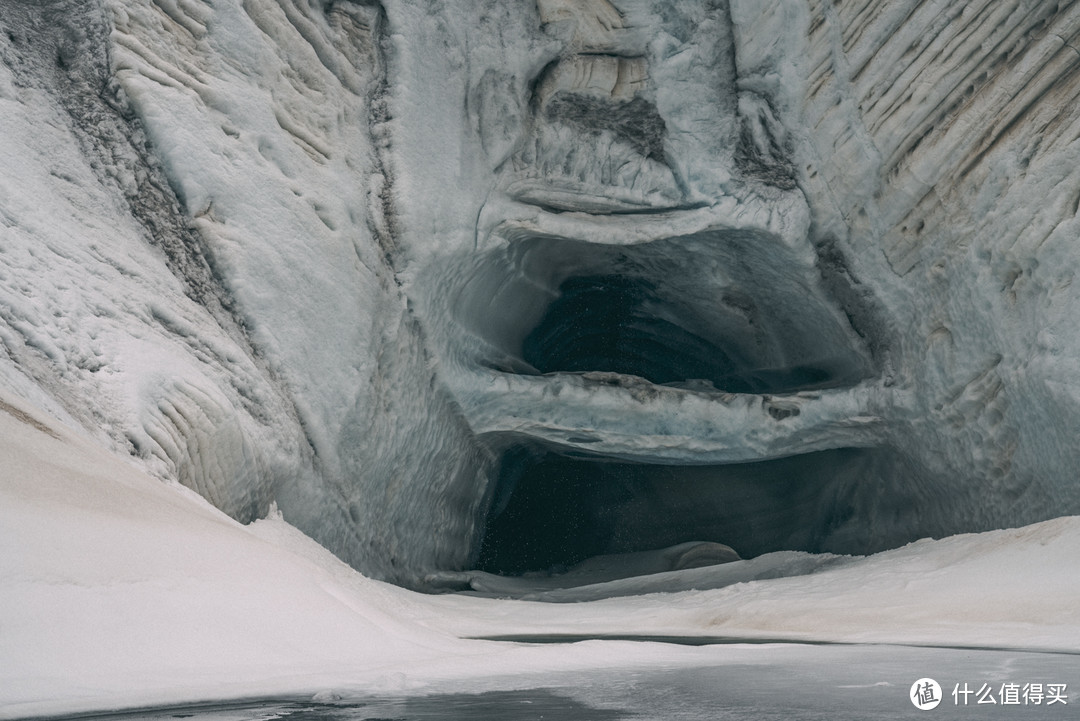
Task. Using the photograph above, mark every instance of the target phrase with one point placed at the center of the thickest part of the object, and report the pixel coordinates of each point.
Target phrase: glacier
(466, 291)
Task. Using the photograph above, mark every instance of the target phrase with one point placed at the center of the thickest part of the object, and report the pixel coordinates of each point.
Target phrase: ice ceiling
(506, 285)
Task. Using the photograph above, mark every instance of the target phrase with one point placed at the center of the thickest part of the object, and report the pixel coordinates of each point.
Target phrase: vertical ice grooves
(67, 54)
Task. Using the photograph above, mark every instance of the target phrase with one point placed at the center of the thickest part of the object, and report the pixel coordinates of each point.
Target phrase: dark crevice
(620, 324)
(860, 306)
(551, 511)
(669, 311)
(384, 221)
(642, 212)
(766, 161)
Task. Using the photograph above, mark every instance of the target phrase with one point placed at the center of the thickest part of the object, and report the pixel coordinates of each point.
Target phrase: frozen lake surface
(788, 681)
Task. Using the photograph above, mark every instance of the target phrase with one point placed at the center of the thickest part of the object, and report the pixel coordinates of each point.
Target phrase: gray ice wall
(346, 256)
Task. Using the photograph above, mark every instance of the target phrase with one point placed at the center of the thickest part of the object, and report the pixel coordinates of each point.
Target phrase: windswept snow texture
(190, 268)
(380, 262)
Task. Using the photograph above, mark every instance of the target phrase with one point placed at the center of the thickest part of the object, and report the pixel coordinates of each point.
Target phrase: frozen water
(781, 682)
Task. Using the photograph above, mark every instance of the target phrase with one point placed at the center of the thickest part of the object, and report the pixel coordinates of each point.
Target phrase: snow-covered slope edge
(1010, 588)
(118, 591)
(118, 586)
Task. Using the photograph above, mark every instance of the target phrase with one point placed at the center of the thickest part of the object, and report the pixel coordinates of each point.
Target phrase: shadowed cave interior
(551, 511)
(712, 312)
(620, 324)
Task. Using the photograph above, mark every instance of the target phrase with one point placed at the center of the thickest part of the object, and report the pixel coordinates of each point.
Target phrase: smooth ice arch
(510, 285)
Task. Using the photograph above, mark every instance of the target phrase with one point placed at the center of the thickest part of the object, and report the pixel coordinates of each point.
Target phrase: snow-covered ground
(118, 590)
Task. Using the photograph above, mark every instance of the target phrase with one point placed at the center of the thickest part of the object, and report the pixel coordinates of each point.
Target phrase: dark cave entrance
(624, 324)
(551, 511)
(713, 311)
(720, 311)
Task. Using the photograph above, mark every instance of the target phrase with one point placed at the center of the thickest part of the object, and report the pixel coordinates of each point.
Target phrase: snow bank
(119, 590)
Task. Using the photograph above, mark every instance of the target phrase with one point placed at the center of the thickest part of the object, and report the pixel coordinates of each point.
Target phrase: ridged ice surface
(362, 259)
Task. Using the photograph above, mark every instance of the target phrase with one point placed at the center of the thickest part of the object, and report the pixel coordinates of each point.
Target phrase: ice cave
(492, 341)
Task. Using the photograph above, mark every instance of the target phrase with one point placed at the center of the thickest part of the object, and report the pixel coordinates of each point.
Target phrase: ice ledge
(785, 217)
(628, 418)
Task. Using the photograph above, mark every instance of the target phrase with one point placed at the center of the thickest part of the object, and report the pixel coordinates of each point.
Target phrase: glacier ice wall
(805, 267)
(941, 151)
(188, 277)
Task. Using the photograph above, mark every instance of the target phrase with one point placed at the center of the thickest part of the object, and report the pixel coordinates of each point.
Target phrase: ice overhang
(684, 339)
(676, 349)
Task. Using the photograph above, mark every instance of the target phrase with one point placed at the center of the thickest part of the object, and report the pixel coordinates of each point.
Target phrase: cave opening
(711, 311)
(550, 511)
(623, 324)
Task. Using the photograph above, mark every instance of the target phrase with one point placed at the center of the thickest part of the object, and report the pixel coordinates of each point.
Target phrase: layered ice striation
(513, 285)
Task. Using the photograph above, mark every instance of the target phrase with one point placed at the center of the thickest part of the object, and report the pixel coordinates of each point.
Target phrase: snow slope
(118, 590)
